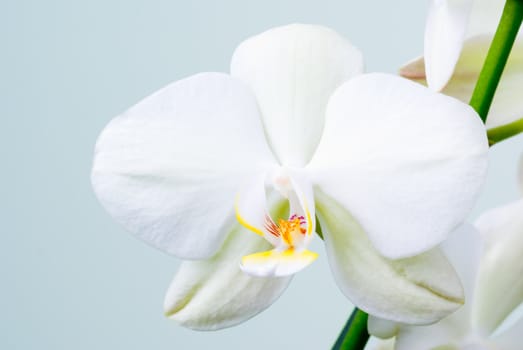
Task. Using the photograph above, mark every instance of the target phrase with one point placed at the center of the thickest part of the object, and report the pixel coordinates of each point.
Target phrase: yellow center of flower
(287, 229)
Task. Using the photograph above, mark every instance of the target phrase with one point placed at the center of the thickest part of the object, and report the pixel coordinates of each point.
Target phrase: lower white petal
(444, 34)
(500, 283)
(382, 328)
(215, 293)
(440, 336)
(417, 290)
(464, 249)
(276, 263)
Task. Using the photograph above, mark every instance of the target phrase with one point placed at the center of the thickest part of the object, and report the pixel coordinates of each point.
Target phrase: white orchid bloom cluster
(231, 171)
(488, 258)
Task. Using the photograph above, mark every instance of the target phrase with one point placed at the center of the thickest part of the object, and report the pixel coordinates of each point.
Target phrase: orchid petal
(382, 328)
(214, 294)
(454, 327)
(417, 290)
(437, 336)
(450, 332)
(444, 35)
(293, 70)
(507, 105)
(500, 286)
(406, 162)
(178, 156)
(275, 263)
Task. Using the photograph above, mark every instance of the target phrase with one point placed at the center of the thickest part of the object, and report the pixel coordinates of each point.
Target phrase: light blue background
(70, 277)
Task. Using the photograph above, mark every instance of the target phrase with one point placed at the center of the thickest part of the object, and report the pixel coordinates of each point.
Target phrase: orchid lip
(289, 237)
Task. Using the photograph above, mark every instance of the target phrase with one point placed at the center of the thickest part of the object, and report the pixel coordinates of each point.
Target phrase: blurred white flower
(388, 167)
(458, 35)
(490, 264)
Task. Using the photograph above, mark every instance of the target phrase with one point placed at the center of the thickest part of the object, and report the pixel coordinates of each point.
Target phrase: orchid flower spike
(230, 172)
(458, 35)
(488, 258)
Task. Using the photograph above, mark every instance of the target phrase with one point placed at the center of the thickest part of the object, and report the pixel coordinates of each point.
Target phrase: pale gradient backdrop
(71, 278)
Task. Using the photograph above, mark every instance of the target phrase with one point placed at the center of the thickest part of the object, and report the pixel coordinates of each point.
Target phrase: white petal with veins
(464, 249)
(169, 167)
(406, 162)
(293, 70)
(417, 290)
(214, 294)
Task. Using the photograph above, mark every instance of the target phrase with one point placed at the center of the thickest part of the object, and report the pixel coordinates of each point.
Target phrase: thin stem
(503, 132)
(354, 335)
(497, 57)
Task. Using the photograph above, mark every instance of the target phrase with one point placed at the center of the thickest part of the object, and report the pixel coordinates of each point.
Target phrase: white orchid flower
(458, 35)
(205, 168)
(490, 266)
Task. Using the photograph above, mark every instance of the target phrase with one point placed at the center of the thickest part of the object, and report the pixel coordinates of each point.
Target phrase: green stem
(503, 132)
(497, 57)
(354, 335)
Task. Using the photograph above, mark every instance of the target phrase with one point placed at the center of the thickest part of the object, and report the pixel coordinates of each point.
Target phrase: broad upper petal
(444, 35)
(417, 290)
(169, 167)
(500, 286)
(215, 293)
(293, 70)
(507, 105)
(406, 162)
